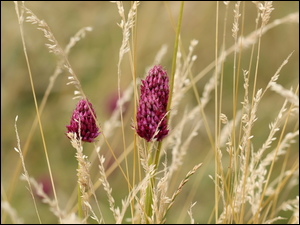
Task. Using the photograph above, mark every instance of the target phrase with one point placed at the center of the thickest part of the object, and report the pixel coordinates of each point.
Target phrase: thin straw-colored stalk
(217, 114)
(126, 26)
(25, 174)
(132, 58)
(265, 15)
(20, 19)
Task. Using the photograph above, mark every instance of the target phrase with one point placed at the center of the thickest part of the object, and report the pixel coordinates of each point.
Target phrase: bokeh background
(94, 60)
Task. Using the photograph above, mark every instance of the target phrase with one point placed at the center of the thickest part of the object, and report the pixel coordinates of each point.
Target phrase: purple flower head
(45, 181)
(152, 109)
(112, 103)
(88, 128)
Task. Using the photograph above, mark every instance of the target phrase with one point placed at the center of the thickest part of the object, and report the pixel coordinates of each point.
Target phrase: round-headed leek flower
(88, 128)
(152, 108)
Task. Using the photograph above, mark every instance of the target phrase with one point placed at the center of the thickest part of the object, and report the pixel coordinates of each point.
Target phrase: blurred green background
(94, 60)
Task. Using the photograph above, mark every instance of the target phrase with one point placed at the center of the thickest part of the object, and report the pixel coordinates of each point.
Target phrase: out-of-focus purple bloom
(45, 181)
(88, 128)
(152, 108)
(111, 103)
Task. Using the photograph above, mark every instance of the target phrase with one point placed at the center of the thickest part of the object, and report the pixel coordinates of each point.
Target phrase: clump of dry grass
(248, 188)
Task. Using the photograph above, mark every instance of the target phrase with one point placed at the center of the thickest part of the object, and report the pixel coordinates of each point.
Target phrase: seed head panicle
(152, 109)
(88, 128)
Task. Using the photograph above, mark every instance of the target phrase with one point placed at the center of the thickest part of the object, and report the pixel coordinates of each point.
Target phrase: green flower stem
(174, 58)
(148, 200)
(157, 153)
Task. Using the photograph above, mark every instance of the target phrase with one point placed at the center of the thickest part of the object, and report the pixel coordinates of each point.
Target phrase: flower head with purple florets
(152, 108)
(88, 128)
